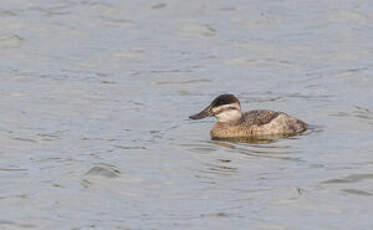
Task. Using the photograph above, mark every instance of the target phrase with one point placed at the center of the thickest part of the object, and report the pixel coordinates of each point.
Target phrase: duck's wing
(259, 117)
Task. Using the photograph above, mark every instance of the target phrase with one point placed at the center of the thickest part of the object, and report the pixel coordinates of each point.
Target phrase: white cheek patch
(228, 115)
(226, 107)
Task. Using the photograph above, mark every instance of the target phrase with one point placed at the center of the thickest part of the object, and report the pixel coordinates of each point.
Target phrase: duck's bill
(204, 113)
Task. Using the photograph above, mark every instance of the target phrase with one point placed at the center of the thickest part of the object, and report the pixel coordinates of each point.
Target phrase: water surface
(95, 99)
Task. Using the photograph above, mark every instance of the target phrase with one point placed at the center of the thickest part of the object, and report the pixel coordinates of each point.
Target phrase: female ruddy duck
(232, 123)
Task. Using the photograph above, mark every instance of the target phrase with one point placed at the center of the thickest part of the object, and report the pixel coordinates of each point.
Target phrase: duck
(232, 123)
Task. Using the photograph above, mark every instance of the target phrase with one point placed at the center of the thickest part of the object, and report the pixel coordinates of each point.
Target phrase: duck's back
(260, 123)
(259, 117)
(268, 122)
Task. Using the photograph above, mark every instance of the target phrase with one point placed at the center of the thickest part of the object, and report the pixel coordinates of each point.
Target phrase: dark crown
(224, 100)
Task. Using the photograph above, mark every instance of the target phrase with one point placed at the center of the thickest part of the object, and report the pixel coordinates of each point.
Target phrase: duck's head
(226, 108)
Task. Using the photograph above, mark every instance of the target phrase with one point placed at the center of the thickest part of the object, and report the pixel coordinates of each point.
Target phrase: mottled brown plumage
(259, 117)
(259, 123)
(256, 123)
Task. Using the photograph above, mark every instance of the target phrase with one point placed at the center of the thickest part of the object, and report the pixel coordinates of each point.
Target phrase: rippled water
(95, 97)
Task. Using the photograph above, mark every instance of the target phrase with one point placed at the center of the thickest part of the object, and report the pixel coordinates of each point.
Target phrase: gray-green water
(95, 96)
